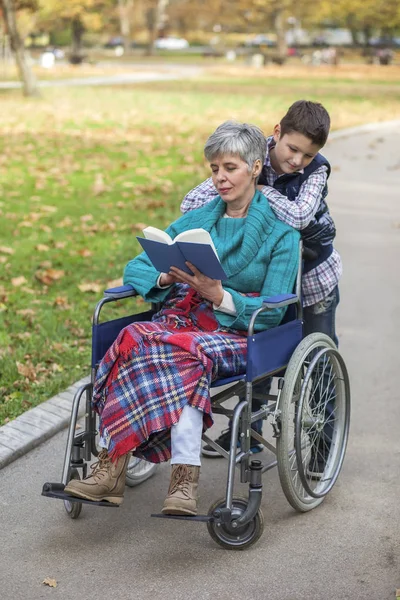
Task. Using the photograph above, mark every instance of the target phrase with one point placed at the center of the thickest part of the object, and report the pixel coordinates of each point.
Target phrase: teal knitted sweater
(259, 254)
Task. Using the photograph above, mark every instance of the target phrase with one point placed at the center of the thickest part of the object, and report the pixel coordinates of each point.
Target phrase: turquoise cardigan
(258, 253)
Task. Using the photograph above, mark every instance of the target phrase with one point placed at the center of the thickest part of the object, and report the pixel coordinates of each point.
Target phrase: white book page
(157, 235)
(197, 236)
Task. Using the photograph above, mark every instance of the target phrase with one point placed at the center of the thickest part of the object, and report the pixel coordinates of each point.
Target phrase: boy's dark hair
(308, 118)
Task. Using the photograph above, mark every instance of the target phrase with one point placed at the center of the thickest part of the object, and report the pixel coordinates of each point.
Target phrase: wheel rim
(325, 383)
(293, 446)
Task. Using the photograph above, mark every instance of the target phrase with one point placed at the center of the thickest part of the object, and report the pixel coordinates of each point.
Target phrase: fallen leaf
(66, 222)
(49, 276)
(85, 218)
(27, 370)
(138, 226)
(58, 346)
(26, 312)
(25, 224)
(46, 264)
(18, 281)
(42, 248)
(99, 186)
(24, 336)
(62, 303)
(90, 287)
(85, 252)
(50, 582)
(6, 250)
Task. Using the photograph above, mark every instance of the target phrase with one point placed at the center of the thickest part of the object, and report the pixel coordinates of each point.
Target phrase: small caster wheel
(238, 538)
(73, 508)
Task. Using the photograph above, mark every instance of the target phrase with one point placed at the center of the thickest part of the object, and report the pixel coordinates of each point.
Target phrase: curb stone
(45, 420)
(38, 424)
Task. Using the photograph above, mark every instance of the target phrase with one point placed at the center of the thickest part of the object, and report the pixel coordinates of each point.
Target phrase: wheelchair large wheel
(138, 471)
(73, 509)
(241, 537)
(314, 422)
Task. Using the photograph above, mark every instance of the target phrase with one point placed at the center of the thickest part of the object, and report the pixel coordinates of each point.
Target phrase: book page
(196, 236)
(157, 235)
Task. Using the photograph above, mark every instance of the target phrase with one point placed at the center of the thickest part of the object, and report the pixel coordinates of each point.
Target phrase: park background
(84, 168)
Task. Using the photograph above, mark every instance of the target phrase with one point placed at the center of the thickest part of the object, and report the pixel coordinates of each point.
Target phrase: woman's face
(232, 178)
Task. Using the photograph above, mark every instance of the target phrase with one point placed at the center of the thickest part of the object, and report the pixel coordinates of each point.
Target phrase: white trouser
(186, 437)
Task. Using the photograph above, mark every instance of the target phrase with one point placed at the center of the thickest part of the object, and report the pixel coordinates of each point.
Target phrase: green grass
(82, 170)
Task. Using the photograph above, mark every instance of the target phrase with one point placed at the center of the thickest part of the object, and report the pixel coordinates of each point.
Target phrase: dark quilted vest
(320, 232)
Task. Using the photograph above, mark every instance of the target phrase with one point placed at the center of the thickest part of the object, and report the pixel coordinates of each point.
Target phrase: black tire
(73, 509)
(240, 538)
(138, 471)
(303, 417)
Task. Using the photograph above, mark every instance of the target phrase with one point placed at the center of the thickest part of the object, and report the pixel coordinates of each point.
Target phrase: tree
(125, 8)
(81, 15)
(362, 16)
(9, 10)
(156, 19)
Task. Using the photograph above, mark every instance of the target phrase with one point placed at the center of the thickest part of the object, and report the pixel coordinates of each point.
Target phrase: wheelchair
(312, 397)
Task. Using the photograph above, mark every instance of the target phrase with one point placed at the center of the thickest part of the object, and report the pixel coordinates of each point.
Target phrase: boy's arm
(199, 196)
(279, 279)
(299, 212)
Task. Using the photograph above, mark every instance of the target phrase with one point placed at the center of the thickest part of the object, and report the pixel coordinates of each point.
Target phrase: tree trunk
(151, 28)
(124, 13)
(156, 19)
(27, 77)
(280, 34)
(352, 25)
(77, 30)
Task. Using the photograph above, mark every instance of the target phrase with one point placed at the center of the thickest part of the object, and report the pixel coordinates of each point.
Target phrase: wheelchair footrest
(56, 490)
(200, 518)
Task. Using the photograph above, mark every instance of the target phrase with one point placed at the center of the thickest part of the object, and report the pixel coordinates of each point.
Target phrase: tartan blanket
(153, 369)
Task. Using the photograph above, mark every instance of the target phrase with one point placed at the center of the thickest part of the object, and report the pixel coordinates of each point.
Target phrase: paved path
(348, 548)
(174, 72)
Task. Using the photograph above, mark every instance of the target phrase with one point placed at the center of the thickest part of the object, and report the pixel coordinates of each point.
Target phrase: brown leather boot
(106, 482)
(182, 493)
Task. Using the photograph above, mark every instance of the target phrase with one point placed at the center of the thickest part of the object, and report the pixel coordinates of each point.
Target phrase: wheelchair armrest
(122, 291)
(280, 301)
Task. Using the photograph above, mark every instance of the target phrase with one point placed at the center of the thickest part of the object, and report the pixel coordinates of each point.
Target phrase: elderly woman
(152, 387)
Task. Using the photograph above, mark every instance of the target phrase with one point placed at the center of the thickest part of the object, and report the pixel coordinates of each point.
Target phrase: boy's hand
(211, 289)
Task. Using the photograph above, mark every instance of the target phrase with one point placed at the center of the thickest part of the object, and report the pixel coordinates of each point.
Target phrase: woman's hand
(167, 279)
(211, 289)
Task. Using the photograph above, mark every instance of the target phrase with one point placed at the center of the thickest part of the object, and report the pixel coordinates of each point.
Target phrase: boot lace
(181, 477)
(101, 467)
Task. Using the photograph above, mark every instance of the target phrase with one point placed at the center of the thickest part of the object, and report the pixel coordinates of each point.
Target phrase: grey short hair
(246, 141)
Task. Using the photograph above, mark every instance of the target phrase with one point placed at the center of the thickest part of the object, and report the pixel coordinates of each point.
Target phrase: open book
(194, 245)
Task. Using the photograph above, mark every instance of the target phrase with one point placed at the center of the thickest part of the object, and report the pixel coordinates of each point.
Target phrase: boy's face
(293, 151)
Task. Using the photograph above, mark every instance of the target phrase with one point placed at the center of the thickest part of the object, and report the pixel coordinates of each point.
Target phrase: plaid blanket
(153, 369)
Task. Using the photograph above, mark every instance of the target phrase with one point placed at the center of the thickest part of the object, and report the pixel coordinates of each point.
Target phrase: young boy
(294, 180)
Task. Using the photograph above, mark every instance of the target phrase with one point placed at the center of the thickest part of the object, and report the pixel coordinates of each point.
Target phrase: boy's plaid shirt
(318, 283)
